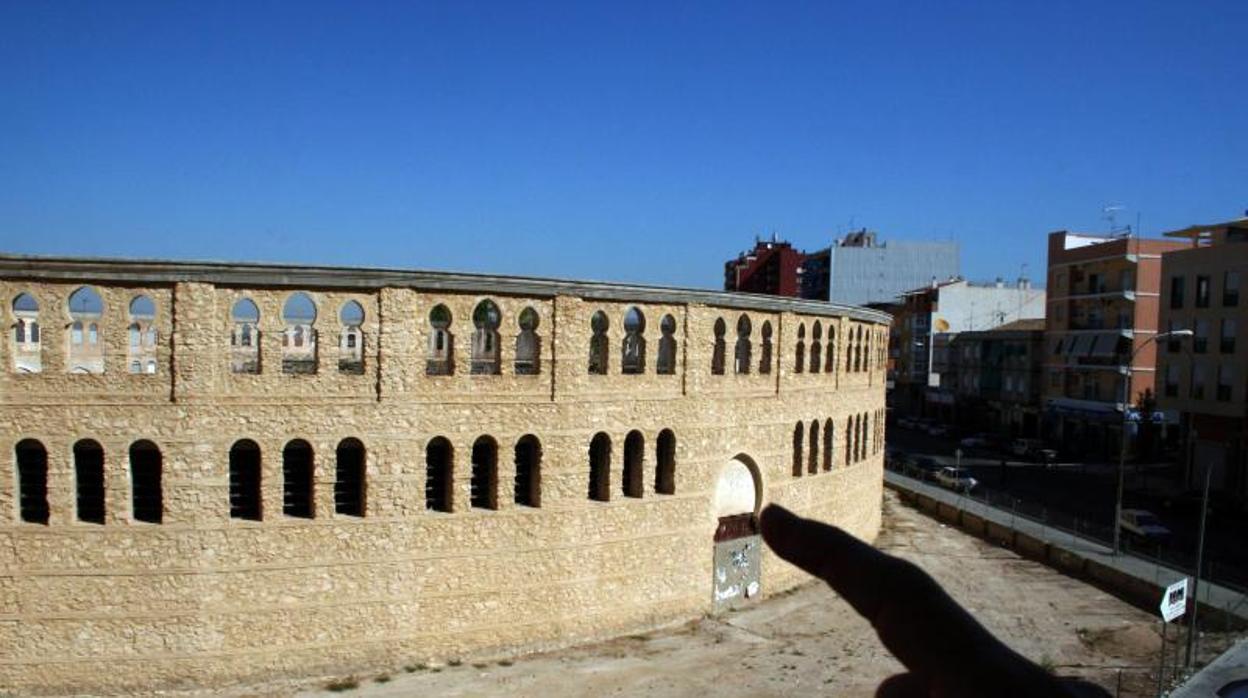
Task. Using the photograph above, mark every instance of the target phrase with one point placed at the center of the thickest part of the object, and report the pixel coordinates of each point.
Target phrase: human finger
(902, 686)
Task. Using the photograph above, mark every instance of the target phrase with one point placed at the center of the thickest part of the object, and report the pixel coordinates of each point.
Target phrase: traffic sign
(1174, 600)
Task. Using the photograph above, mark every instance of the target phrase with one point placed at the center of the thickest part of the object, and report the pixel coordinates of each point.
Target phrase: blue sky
(633, 142)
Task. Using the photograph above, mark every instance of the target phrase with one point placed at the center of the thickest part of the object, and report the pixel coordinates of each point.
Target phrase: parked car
(1024, 448)
(956, 479)
(1141, 523)
(926, 467)
(977, 442)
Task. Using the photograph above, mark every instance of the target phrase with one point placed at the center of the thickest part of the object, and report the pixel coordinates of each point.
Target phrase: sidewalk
(1135, 577)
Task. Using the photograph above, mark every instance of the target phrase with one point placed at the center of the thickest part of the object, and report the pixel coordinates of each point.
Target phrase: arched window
(32, 481)
(441, 361)
(742, 350)
(798, 439)
(245, 337)
(528, 486)
(486, 318)
(816, 347)
(598, 348)
(141, 348)
(634, 453)
(717, 353)
(849, 441)
(146, 464)
(528, 344)
(864, 424)
(351, 339)
(858, 350)
(27, 350)
(633, 349)
(439, 483)
(667, 346)
(245, 499)
(349, 479)
(849, 350)
(299, 340)
(812, 458)
(799, 362)
(764, 359)
(85, 351)
(665, 463)
(829, 436)
(484, 482)
(89, 480)
(298, 480)
(830, 359)
(600, 467)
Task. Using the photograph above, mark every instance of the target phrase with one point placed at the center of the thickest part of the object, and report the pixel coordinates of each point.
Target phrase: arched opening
(486, 318)
(528, 486)
(634, 453)
(667, 346)
(829, 436)
(528, 344)
(812, 458)
(349, 478)
(146, 464)
(441, 355)
(245, 337)
(27, 349)
(633, 349)
(298, 481)
(858, 350)
(245, 474)
(85, 352)
(141, 344)
(849, 441)
(717, 352)
(600, 467)
(742, 351)
(32, 481)
(351, 339)
(830, 360)
(439, 459)
(598, 344)
(484, 480)
(735, 505)
(299, 338)
(816, 347)
(665, 463)
(764, 359)
(798, 438)
(799, 350)
(89, 480)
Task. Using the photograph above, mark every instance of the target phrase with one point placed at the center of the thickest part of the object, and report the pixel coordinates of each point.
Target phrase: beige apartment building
(1203, 378)
(1102, 315)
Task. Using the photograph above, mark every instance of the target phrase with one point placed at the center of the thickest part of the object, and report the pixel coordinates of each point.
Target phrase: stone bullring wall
(204, 599)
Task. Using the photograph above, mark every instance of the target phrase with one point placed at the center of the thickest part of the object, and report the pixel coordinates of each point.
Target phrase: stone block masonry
(204, 598)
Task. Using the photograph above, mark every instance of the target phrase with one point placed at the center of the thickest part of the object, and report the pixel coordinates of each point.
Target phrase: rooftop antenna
(1110, 214)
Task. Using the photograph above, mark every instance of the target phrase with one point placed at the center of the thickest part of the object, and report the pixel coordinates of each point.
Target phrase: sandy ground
(811, 639)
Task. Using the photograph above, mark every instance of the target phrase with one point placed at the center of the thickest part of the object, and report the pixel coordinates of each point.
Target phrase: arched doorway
(735, 504)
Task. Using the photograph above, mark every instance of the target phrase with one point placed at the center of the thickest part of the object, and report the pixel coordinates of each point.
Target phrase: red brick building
(772, 267)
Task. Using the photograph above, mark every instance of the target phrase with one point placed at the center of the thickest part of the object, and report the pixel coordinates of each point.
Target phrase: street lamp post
(1122, 450)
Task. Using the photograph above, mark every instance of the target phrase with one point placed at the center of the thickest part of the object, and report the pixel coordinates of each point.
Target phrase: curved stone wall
(114, 601)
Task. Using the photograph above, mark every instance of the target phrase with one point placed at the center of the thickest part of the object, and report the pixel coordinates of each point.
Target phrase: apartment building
(1205, 378)
(1102, 315)
(993, 378)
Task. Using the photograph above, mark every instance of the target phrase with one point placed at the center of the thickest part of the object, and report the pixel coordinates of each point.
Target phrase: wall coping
(106, 270)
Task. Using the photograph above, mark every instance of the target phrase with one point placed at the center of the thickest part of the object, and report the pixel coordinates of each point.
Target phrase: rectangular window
(1230, 289)
(1061, 281)
(1225, 378)
(1172, 380)
(1227, 338)
(1095, 284)
(1173, 343)
(1198, 382)
(1127, 280)
(1176, 292)
(1202, 291)
(1200, 342)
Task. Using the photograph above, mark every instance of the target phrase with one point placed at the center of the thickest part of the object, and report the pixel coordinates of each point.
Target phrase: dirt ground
(811, 639)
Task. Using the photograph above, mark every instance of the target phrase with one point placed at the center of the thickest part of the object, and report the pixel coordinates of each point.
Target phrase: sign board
(1174, 600)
